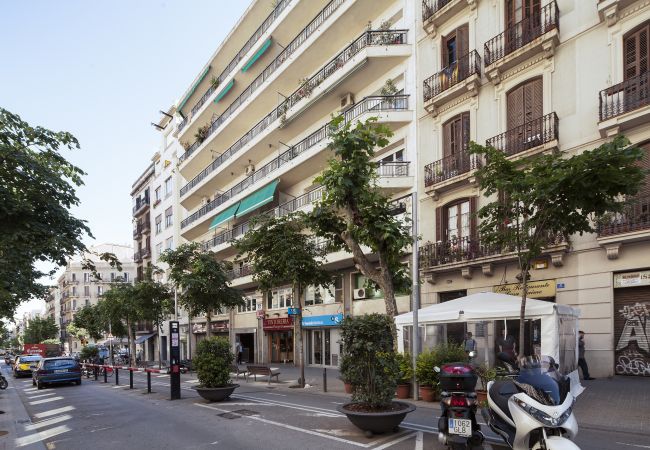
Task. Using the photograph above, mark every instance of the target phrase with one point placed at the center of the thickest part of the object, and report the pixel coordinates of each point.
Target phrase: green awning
(258, 198)
(194, 86)
(224, 91)
(257, 55)
(224, 216)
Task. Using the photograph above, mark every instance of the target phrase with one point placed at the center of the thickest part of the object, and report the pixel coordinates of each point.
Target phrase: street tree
(353, 211)
(280, 251)
(203, 281)
(120, 307)
(539, 200)
(39, 329)
(78, 332)
(88, 322)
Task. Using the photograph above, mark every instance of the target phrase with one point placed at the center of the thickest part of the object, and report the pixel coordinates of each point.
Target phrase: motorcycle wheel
(3, 383)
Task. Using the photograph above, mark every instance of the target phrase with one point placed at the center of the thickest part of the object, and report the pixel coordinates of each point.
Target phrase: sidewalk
(618, 403)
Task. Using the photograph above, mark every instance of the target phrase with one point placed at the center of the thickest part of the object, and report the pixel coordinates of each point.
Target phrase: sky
(102, 71)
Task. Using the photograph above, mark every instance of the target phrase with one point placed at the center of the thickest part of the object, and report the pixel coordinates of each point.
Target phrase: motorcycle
(457, 425)
(534, 410)
(3, 382)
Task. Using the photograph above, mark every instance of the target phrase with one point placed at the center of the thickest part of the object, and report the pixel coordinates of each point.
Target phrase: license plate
(462, 427)
(61, 371)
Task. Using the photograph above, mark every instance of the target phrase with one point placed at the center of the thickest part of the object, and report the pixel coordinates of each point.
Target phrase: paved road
(97, 415)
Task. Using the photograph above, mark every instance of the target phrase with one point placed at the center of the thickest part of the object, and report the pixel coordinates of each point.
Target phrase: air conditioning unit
(250, 169)
(359, 293)
(347, 101)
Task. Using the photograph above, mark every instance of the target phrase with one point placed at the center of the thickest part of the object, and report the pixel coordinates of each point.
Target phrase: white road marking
(273, 393)
(338, 403)
(326, 412)
(419, 441)
(53, 412)
(48, 422)
(30, 390)
(634, 445)
(162, 376)
(101, 429)
(395, 441)
(41, 435)
(45, 400)
(41, 395)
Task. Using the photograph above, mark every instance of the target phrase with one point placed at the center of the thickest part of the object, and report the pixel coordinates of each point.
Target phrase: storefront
(279, 335)
(217, 328)
(247, 338)
(323, 339)
(632, 323)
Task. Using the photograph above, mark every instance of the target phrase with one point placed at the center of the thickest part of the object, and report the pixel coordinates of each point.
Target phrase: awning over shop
(143, 338)
(224, 216)
(258, 198)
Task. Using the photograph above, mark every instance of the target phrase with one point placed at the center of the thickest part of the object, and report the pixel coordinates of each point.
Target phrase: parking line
(398, 440)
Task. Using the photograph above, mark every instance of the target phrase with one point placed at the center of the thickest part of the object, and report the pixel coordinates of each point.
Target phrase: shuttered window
(525, 103)
(518, 10)
(456, 135)
(456, 220)
(632, 354)
(644, 191)
(455, 45)
(636, 51)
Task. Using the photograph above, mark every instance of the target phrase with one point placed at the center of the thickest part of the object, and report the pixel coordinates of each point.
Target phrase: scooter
(3, 382)
(457, 425)
(526, 416)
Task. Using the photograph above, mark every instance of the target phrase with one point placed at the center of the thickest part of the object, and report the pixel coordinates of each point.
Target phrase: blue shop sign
(328, 320)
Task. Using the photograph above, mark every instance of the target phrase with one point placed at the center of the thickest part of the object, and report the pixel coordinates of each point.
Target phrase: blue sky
(102, 70)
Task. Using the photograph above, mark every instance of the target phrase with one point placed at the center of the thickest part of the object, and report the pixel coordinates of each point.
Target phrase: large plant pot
(481, 396)
(377, 422)
(428, 393)
(348, 388)
(403, 391)
(216, 394)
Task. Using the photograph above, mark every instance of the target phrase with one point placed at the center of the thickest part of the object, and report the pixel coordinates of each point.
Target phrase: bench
(237, 371)
(263, 371)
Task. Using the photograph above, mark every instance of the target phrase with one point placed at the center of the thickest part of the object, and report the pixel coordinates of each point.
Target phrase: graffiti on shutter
(632, 331)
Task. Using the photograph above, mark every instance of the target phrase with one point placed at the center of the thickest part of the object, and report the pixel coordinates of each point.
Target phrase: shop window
(280, 298)
(318, 295)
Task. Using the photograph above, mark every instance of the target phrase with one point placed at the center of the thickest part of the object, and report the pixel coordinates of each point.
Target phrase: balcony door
(456, 228)
(524, 105)
(455, 142)
(523, 22)
(454, 47)
(636, 55)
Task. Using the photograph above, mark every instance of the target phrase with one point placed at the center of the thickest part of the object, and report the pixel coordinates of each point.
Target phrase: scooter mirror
(436, 369)
(472, 354)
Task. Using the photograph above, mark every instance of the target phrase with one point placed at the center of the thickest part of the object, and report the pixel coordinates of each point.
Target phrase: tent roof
(484, 306)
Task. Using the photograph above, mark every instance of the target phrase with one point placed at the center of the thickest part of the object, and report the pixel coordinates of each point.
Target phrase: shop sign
(278, 323)
(536, 289)
(331, 320)
(632, 279)
(219, 325)
(293, 311)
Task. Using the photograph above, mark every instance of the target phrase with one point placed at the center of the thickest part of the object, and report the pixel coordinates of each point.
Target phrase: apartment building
(141, 196)
(79, 288)
(530, 76)
(253, 126)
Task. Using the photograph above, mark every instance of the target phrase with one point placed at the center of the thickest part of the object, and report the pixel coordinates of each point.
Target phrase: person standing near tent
(238, 351)
(508, 345)
(470, 344)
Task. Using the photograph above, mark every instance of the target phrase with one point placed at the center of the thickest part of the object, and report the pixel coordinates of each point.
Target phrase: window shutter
(636, 52)
(473, 220)
(464, 132)
(644, 190)
(462, 41)
(447, 141)
(439, 221)
(515, 107)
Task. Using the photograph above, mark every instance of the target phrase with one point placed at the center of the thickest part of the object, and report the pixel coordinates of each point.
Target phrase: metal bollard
(87, 374)
(148, 382)
(324, 379)
(130, 379)
(117, 376)
(96, 372)
(105, 375)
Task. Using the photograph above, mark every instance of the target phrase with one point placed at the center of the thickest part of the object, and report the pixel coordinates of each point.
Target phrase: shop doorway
(247, 341)
(281, 346)
(632, 331)
(455, 331)
(323, 347)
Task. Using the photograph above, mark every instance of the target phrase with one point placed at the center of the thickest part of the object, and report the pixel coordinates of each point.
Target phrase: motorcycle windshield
(541, 373)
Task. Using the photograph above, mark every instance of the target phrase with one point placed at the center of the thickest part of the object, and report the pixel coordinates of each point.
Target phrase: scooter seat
(500, 392)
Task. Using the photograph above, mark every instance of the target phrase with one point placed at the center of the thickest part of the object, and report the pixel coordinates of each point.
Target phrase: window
(168, 187)
(86, 277)
(319, 295)
(87, 291)
(251, 304)
(74, 305)
(636, 51)
(157, 193)
(394, 157)
(518, 10)
(125, 277)
(524, 103)
(112, 276)
(169, 244)
(360, 283)
(74, 290)
(169, 219)
(100, 291)
(158, 223)
(455, 135)
(455, 45)
(457, 220)
(87, 303)
(74, 277)
(280, 298)
(159, 249)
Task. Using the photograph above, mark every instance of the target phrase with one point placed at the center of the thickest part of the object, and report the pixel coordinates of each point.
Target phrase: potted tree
(370, 365)
(426, 375)
(485, 374)
(212, 360)
(405, 375)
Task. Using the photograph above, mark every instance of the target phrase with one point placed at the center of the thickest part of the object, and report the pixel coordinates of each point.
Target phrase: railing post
(130, 379)
(117, 376)
(148, 382)
(105, 375)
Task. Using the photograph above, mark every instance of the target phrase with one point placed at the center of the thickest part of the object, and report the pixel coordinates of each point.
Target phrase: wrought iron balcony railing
(463, 68)
(449, 167)
(430, 7)
(527, 136)
(634, 217)
(140, 204)
(368, 104)
(624, 97)
(393, 168)
(238, 272)
(522, 33)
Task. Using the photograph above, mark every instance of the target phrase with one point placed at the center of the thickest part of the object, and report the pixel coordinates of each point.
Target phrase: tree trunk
(298, 332)
(208, 322)
(391, 304)
(522, 311)
(131, 344)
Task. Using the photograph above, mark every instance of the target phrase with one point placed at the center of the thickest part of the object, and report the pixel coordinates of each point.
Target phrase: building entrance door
(281, 346)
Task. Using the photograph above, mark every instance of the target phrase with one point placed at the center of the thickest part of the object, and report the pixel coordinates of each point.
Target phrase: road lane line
(45, 400)
(273, 393)
(30, 390)
(53, 412)
(396, 441)
(419, 441)
(41, 435)
(47, 422)
(634, 445)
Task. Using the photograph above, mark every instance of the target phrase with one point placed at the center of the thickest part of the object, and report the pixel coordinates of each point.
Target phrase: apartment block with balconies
(141, 193)
(529, 77)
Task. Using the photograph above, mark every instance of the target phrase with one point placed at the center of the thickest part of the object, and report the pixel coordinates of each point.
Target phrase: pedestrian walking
(582, 362)
(238, 349)
(469, 343)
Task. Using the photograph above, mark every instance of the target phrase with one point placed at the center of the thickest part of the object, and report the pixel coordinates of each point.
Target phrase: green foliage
(88, 322)
(39, 329)
(212, 361)
(369, 362)
(354, 212)
(203, 280)
(88, 352)
(428, 360)
(405, 363)
(119, 307)
(486, 374)
(51, 341)
(154, 299)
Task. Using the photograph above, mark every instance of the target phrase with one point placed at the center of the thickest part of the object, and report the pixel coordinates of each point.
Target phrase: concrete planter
(218, 394)
(377, 422)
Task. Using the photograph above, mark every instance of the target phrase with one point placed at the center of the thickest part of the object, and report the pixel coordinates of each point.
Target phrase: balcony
(449, 171)
(394, 175)
(631, 224)
(530, 138)
(455, 80)
(140, 228)
(279, 7)
(538, 34)
(437, 12)
(463, 253)
(374, 104)
(609, 10)
(239, 272)
(624, 105)
(141, 205)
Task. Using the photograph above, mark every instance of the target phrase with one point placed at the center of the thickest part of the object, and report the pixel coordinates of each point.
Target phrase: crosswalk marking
(48, 422)
(46, 400)
(41, 435)
(40, 395)
(53, 412)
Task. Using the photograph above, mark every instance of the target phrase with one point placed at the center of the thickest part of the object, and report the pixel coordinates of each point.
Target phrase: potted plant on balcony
(202, 133)
(405, 375)
(370, 365)
(305, 88)
(212, 360)
(215, 82)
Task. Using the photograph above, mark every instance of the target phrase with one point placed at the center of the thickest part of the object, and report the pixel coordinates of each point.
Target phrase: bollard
(148, 382)
(87, 374)
(130, 379)
(96, 372)
(105, 375)
(324, 379)
(117, 376)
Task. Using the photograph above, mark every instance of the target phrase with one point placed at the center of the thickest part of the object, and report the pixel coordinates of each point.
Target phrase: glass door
(318, 347)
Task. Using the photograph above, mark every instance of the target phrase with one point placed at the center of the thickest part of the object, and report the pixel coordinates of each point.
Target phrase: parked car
(25, 364)
(56, 370)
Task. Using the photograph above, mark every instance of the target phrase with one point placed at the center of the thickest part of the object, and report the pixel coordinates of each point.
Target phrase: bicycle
(108, 370)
